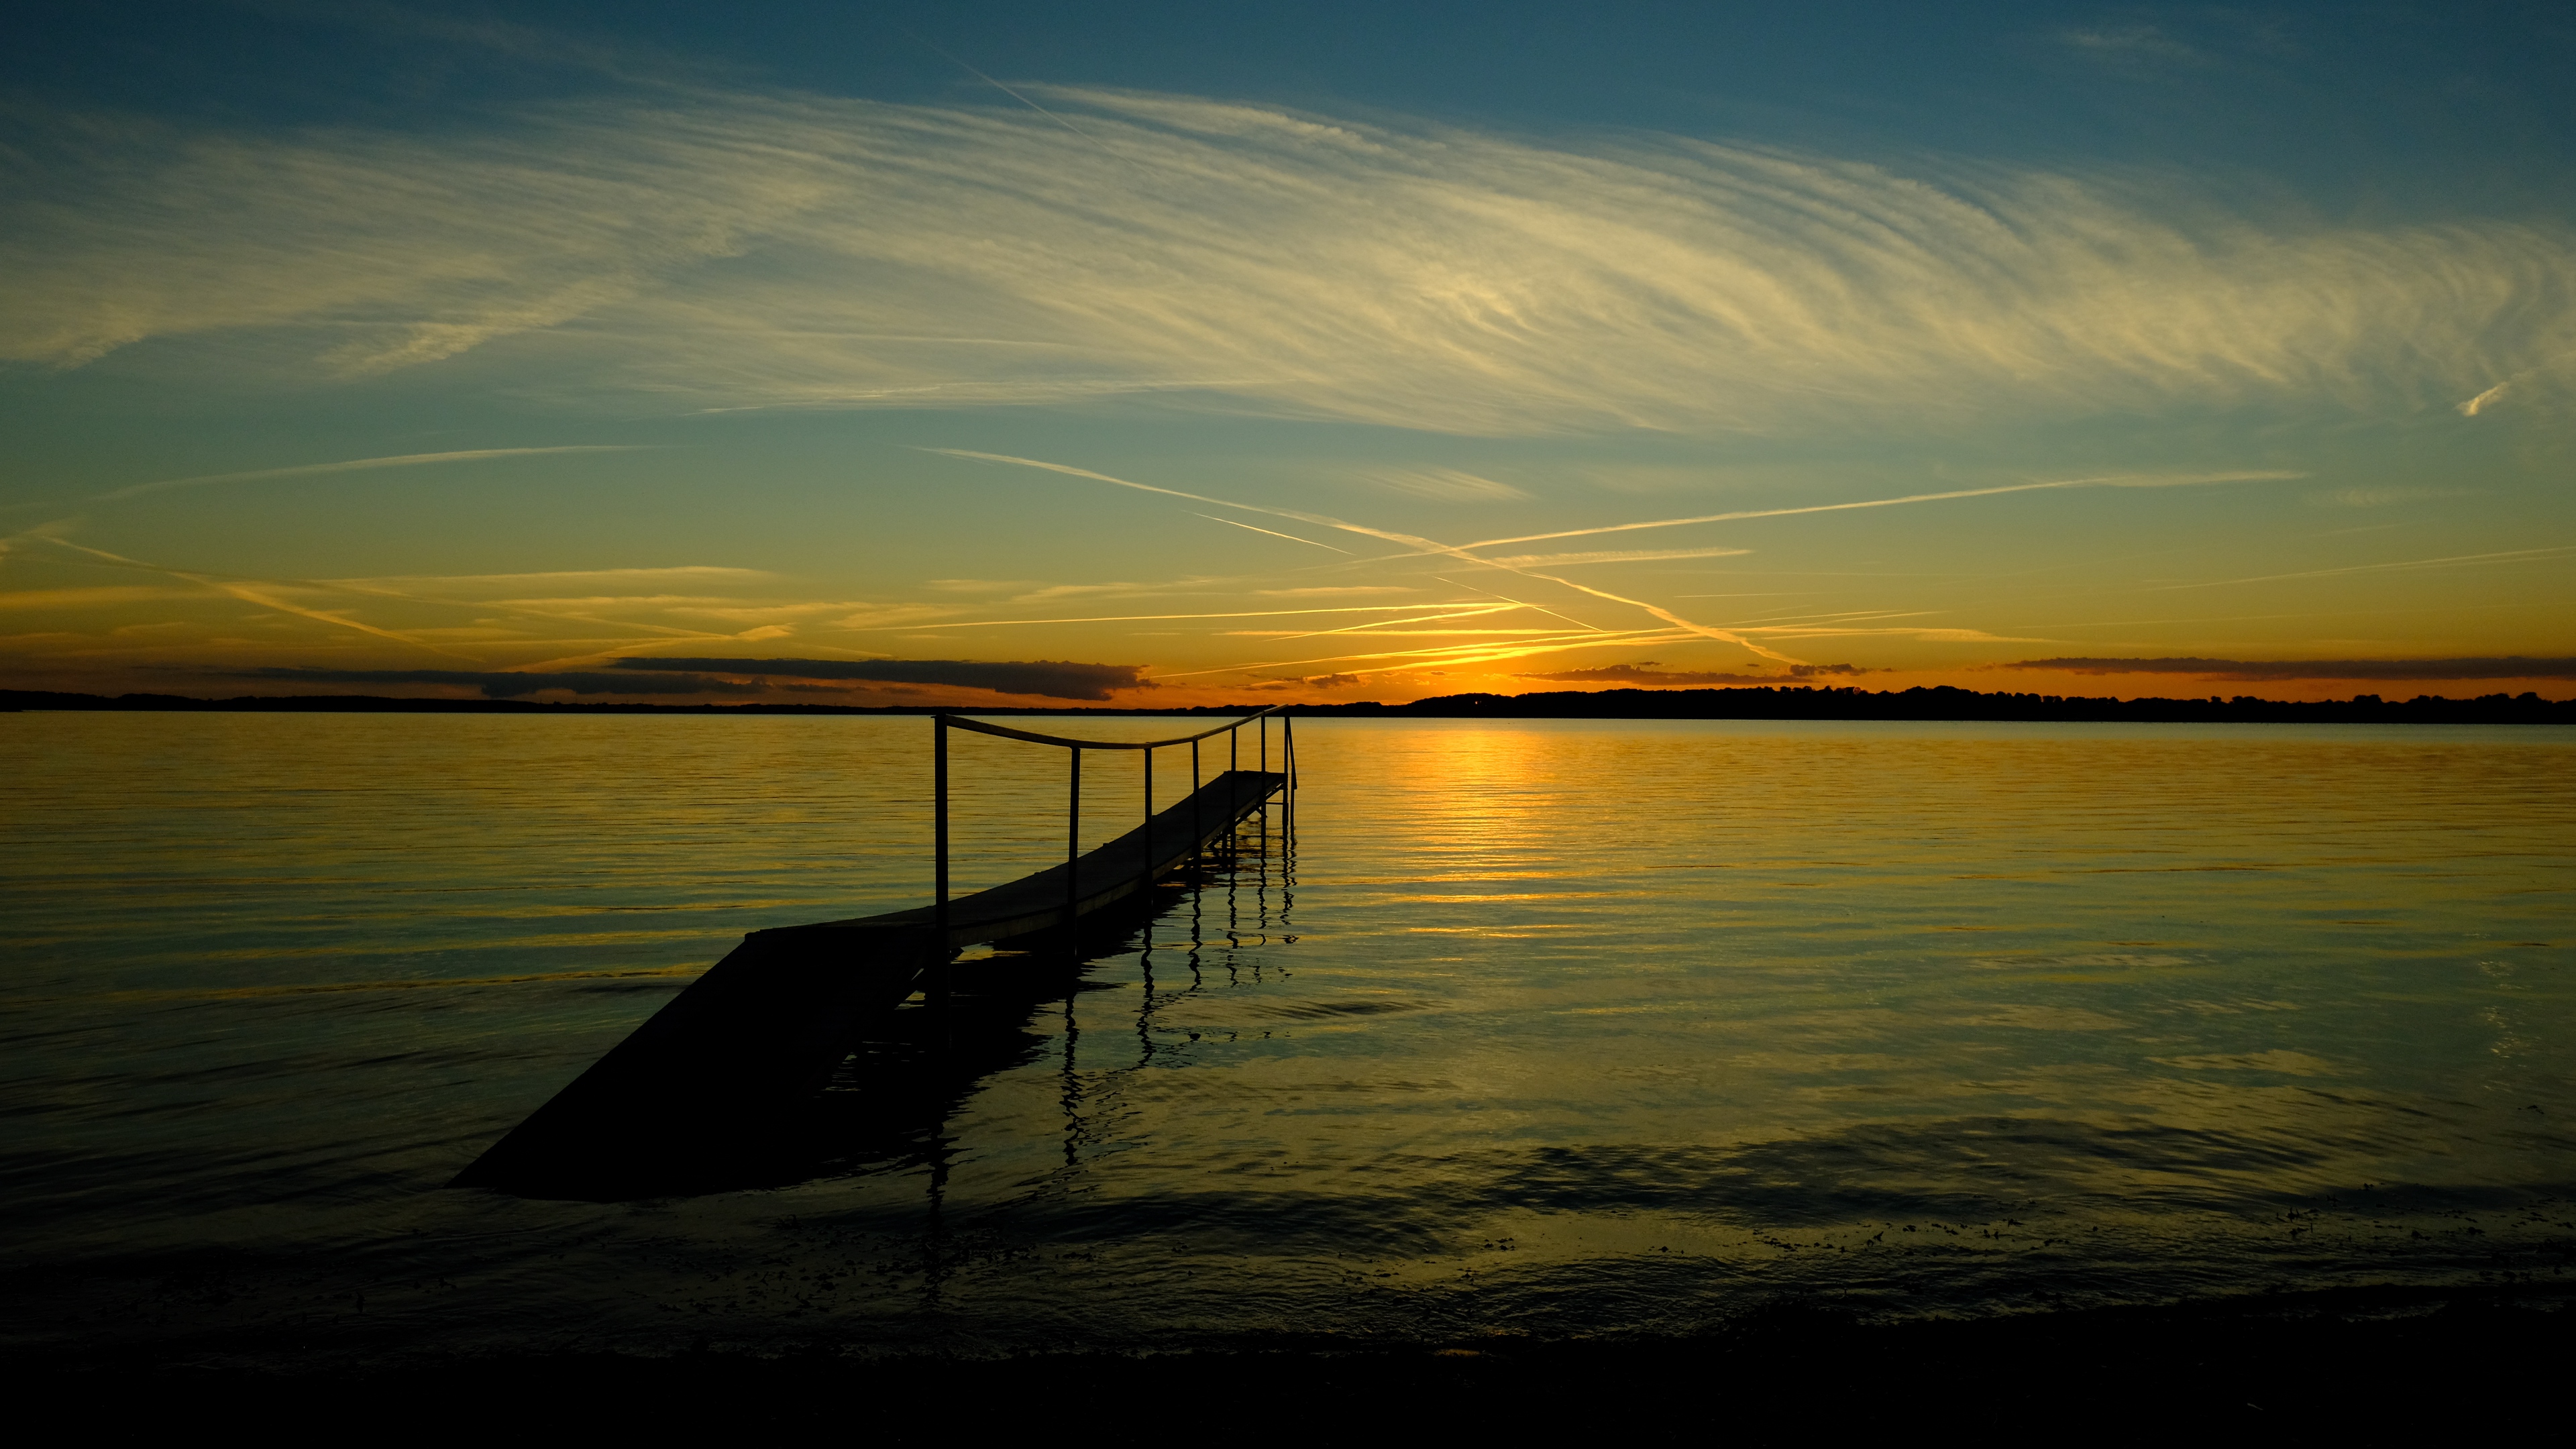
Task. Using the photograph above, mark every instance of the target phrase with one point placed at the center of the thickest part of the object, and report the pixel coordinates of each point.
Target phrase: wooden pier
(691, 1090)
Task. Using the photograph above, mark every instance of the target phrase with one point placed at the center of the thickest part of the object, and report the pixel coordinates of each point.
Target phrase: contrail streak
(1410, 540)
(521, 610)
(1024, 100)
(246, 589)
(2418, 563)
(1569, 618)
(2110, 481)
(1274, 533)
(1325, 520)
(1475, 613)
(1669, 617)
(357, 465)
(1786, 620)
(266, 599)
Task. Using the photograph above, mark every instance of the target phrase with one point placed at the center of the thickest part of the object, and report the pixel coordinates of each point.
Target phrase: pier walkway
(689, 1091)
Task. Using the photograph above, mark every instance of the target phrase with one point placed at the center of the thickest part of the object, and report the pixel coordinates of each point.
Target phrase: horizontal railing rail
(961, 722)
(942, 723)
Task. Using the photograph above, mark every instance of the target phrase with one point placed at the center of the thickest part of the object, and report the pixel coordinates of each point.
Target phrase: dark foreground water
(1547, 1028)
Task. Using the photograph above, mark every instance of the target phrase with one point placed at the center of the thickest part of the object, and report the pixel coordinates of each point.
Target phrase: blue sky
(852, 353)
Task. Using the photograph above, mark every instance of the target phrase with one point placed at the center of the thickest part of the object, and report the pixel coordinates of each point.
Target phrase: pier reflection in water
(714, 1089)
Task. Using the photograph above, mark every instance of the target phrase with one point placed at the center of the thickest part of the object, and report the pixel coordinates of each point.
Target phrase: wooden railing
(943, 723)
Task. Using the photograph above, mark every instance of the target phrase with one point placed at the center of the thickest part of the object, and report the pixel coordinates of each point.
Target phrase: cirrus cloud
(1404, 274)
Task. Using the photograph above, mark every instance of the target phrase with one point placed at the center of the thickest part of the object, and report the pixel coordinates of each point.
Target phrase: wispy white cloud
(1445, 485)
(360, 465)
(2485, 400)
(92, 598)
(684, 573)
(1410, 275)
(1215, 614)
(1929, 635)
(1375, 631)
(979, 586)
(399, 609)
(2383, 497)
(2127, 43)
(1328, 590)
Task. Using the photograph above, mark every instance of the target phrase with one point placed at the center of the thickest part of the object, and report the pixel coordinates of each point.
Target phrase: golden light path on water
(1546, 1027)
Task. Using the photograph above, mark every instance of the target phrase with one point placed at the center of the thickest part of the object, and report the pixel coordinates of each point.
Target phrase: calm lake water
(1553, 1028)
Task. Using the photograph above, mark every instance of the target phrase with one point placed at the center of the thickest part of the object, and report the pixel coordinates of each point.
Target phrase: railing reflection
(1267, 864)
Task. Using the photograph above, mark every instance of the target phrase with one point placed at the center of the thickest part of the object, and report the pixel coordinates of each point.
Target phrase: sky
(1163, 355)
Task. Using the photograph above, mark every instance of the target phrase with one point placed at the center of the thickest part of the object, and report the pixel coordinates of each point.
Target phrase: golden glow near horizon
(1205, 400)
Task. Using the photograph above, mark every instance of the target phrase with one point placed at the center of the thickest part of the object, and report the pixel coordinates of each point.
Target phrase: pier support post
(1288, 764)
(939, 851)
(1072, 840)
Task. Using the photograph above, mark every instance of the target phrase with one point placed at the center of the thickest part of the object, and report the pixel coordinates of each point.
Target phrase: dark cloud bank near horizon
(1047, 679)
(501, 684)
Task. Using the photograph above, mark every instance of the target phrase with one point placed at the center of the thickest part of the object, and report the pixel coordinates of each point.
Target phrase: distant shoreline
(1758, 703)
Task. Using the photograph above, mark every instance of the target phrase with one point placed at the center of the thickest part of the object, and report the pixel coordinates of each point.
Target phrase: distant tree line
(1946, 703)
(1759, 702)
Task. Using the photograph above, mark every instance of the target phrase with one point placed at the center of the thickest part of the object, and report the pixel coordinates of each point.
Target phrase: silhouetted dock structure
(686, 1098)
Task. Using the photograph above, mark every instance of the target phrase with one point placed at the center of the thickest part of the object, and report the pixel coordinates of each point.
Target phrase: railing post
(939, 847)
(943, 917)
(1288, 765)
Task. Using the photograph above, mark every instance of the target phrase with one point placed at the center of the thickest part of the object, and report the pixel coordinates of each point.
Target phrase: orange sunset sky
(575, 358)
